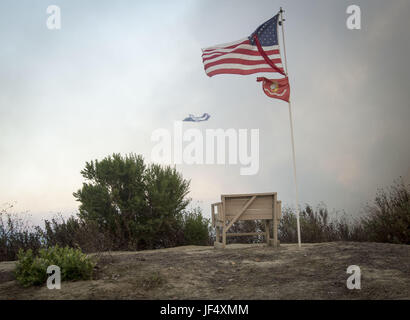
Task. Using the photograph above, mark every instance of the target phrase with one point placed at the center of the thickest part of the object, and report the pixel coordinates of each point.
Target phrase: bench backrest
(265, 206)
(262, 207)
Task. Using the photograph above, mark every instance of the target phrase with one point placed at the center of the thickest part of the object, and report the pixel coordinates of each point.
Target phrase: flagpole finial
(281, 11)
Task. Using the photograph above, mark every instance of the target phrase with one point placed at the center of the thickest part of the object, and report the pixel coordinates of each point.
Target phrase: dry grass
(242, 271)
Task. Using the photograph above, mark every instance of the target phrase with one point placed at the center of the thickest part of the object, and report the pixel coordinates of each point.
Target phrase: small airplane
(193, 118)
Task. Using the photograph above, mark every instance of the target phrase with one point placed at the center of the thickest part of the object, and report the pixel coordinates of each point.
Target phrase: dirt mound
(317, 271)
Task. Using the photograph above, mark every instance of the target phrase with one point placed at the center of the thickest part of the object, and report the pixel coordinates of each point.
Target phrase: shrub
(16, 233)
(196, 228)
(139, 205)
(317, 226)
(245, 226)
(152, 281)
(76, 233)
(388, 219)
(31, 269)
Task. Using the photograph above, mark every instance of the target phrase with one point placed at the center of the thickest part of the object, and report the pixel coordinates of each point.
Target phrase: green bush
(139, 205)
(196, 228)
(31, 269)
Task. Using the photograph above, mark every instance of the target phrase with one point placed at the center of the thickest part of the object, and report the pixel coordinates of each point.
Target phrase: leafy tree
(141, 205)
(196, 228)
(166, 192)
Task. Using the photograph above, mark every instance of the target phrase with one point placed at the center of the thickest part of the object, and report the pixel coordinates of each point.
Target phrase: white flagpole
(291, 134)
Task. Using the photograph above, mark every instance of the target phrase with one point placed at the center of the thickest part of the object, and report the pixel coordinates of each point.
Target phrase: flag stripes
(239, 57)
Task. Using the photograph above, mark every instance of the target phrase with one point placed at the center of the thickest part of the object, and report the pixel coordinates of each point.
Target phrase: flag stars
(267, 33)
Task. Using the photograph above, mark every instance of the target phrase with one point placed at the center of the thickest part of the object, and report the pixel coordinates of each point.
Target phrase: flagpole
(291, 133)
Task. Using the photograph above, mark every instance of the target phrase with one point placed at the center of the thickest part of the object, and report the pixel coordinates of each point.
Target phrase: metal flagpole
(291, 132)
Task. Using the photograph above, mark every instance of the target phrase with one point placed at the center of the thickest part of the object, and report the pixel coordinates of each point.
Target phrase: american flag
(257, 53)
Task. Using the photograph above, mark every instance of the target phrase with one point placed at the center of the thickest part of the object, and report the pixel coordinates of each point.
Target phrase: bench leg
(275, 230)
(218, 245)
(267, 231)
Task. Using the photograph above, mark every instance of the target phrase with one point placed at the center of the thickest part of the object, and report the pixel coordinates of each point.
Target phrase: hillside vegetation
(127, 205)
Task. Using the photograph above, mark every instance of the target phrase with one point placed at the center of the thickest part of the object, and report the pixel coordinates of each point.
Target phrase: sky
(117, 71)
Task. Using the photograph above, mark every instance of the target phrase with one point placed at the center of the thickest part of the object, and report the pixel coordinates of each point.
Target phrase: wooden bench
(252, 206)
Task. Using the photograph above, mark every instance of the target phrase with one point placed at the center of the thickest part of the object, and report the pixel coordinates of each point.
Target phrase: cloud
(115, 73)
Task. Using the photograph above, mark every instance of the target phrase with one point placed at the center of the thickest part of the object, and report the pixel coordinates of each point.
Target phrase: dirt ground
(317, 271)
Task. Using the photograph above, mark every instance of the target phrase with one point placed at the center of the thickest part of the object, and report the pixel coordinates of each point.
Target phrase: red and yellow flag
(276, 88)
